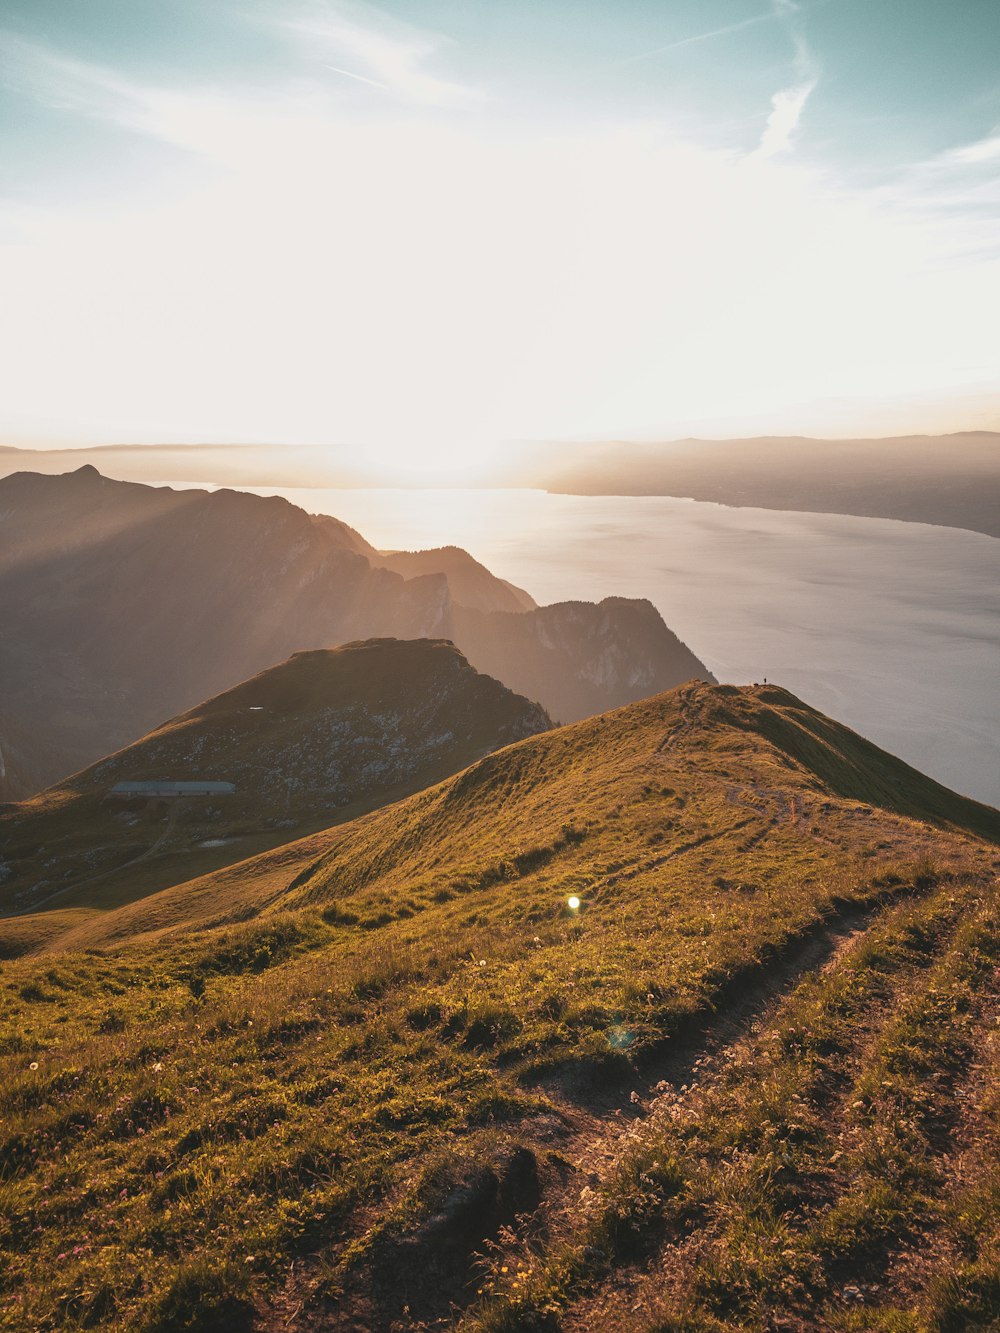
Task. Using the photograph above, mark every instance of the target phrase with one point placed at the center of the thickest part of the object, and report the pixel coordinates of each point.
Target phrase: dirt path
(628, 1298)
(598, 1119)
(690, 710)
(575, 1146)
(631, 1296)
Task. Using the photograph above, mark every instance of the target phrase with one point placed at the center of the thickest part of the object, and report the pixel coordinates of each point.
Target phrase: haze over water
(893, 628)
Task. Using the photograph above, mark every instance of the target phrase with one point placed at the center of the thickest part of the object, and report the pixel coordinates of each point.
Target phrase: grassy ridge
(185, 1114)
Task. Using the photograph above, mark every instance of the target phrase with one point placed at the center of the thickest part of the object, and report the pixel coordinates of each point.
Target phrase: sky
(414, 231)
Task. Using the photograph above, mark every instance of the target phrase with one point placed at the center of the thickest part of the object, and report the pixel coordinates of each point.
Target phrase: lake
(893, 628)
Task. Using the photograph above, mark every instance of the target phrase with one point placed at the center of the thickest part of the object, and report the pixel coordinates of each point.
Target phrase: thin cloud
(970, 166)
(700, 37)
(62, 82)
(957, 192)
(231, 126)
(787, 104)
(349, 74)
(53, 79)
(359, 41)
(386, 52)
(982, 151)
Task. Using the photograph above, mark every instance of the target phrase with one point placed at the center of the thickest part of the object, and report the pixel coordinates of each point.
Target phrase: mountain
(122, 605)
(951, 479)
(620, 647)
(679, 1016)
(945, 479)
(312, 741)
(202, 464)
(472, 585)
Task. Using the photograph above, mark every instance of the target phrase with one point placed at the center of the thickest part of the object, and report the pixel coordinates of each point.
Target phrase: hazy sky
(427, 226)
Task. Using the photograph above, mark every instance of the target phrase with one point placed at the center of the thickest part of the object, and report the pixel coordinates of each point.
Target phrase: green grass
(212, 1102)
(841, 1167)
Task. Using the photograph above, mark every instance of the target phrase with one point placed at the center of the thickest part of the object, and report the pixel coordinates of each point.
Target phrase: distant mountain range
(951, 479)
(123, 604)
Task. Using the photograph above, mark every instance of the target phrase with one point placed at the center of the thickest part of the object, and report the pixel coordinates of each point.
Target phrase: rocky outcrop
(604, 655)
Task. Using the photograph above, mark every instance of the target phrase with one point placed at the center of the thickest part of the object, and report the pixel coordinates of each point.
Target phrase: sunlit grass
(209, 1104)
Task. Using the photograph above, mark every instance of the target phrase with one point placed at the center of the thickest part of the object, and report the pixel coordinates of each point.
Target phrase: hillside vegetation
(393, 1075)
(314, 741)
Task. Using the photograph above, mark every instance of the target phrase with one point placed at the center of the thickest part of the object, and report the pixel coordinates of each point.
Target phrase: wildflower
(157, 1067)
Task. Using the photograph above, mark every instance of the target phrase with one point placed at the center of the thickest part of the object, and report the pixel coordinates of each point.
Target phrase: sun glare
(444, 293)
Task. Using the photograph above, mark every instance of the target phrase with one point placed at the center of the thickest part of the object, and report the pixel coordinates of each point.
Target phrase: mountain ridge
(815, 765)
(950, 480)
(129, 604)
(306, 744)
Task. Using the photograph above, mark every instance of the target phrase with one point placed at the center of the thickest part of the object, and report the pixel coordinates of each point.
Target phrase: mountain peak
(377, 671)
(325, 735)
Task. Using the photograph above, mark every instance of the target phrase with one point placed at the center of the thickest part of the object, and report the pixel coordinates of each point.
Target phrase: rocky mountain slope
(681, 1016)
(618, 647)
(471, 584)
(311, 742)
(122, 605)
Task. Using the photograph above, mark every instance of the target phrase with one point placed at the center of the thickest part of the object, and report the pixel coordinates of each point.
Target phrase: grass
(824, 1173)
(188, 1108)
